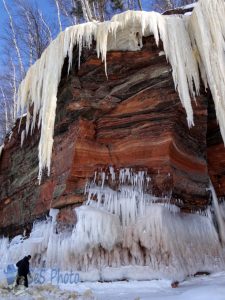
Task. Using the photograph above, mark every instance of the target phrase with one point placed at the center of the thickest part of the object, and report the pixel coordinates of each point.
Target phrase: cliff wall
(132, 119)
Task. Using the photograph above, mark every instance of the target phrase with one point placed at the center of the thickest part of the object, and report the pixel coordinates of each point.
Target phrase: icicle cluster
(120, 234)
(190, 42)
(207, 31)
(127, 201)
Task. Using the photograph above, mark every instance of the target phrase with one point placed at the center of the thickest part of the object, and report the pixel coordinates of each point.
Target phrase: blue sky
(44, 5)
(47, 8)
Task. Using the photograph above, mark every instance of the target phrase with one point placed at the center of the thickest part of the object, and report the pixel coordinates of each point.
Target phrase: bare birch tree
(14, 38)
(25, 37)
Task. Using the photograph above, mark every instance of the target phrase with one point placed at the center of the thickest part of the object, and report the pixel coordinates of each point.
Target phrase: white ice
(194, 288)
(124, 233)
(1, 149)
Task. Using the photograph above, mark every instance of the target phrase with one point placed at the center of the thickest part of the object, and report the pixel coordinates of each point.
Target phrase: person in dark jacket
(23, 270)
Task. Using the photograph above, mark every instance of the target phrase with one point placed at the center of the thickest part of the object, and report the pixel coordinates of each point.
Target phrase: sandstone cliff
(132, 119)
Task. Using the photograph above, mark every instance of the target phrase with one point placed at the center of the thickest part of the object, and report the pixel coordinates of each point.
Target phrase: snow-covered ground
(210, 287)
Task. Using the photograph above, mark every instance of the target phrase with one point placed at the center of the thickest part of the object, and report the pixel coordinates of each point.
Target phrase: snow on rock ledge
(124, 32)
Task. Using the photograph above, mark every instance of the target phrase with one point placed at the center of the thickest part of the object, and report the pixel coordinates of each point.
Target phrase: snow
(199, 288)
(185, 7)
(195, 288)
(188, 6)
(190, 43)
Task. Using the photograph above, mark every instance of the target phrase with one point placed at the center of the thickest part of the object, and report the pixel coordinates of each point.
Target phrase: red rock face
(132, 119)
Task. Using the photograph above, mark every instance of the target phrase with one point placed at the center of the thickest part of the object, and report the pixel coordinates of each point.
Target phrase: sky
(43, 4)
(48, 9)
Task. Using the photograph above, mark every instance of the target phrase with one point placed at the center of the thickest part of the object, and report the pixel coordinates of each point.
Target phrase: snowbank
(197, 288)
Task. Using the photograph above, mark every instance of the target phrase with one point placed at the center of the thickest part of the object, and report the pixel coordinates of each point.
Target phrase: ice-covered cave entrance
(122, 231)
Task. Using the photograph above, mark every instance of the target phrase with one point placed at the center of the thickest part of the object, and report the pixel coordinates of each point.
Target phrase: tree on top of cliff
(99, 10)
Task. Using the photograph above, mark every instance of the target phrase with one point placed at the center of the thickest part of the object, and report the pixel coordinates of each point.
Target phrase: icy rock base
(124, 233)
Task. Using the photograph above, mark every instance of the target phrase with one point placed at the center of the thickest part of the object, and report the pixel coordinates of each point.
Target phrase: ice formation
(1, 149)
(123, 233)
(190, 42)
(211, 50)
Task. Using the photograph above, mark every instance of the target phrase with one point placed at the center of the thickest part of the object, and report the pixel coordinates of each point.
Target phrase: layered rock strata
(133, 119)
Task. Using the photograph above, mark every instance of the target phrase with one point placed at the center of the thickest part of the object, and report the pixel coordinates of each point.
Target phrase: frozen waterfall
(123, 231)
